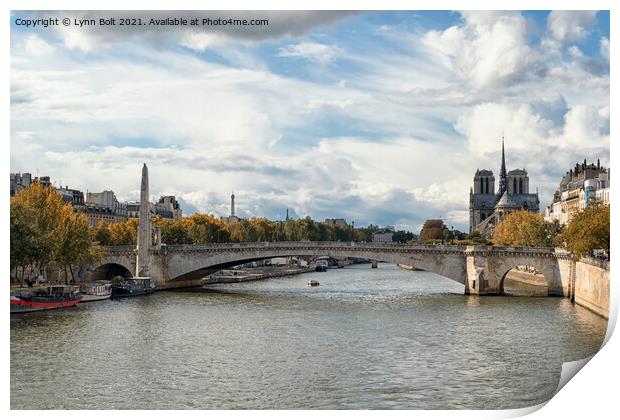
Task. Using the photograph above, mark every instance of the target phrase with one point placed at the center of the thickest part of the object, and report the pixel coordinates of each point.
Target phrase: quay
(252, 274)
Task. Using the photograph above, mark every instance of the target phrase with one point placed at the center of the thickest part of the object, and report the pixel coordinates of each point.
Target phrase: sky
(376, 117)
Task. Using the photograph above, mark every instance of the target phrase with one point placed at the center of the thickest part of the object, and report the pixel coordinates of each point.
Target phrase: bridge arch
(109, 270)
(524, 280)
(543, 261)
(446, 261)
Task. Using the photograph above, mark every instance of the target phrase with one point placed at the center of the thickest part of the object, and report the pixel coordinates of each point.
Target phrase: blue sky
(377, 117)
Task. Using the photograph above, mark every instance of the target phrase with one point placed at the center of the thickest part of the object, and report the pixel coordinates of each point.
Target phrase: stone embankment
(591, 285)
(253, 274)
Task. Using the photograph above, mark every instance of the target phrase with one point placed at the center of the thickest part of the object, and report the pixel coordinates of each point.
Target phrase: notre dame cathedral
(487, 208)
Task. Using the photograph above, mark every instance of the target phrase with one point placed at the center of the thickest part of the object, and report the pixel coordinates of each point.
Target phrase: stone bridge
(481, 269)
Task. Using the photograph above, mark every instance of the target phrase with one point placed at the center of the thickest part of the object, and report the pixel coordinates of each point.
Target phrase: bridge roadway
(481, 269)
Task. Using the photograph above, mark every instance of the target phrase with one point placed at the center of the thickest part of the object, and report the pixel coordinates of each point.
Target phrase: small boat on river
(132, 286)
(41, 299)
(313, 283)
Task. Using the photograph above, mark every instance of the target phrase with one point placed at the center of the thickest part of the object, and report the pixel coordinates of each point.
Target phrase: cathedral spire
(502, 172)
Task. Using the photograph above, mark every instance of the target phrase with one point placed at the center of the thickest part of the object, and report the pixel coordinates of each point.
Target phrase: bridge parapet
(511, 251)
(480, 268)
(316, 245)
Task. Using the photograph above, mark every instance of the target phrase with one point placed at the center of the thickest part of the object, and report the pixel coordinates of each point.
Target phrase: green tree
(587, 231)
(403, 236)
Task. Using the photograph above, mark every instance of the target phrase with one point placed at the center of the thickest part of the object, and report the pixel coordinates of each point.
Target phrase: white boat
(97, 291)
(313, 283)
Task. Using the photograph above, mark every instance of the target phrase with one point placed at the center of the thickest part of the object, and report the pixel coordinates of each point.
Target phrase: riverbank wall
(591, 285)
(240, 276)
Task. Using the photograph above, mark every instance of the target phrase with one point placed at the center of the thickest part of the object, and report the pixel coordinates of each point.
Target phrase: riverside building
(579, 187)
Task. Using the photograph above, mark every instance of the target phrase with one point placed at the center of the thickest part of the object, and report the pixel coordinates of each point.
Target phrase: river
(365, 338)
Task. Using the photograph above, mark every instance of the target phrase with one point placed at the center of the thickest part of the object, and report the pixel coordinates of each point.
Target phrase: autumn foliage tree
(587, 231)
(433, 230)
(524, 228)
(200, 229)
(125, 233)
(74, 241)
(44, 229)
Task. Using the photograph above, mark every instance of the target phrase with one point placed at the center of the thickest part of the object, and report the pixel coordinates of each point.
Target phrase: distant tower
(144, 226)
(287, 214)
(232, 205)
(502, 173)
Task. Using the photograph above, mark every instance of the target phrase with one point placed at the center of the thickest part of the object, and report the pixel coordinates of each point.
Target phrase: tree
(403, 236)
(433, 230)
(587, 231)
(35, 213)
(524, 228)
(125, 233)
(102, 234)
(173, 232)
(74, 241)
(20, 243)
(44, 229)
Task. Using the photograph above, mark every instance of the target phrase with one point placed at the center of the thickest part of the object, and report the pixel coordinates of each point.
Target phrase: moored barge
(132, 286)
(52, 297)
(97, 291)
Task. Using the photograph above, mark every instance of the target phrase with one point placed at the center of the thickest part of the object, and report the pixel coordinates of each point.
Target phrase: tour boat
(97, 291)
(133, 286)
(313, 283)
(52, 297)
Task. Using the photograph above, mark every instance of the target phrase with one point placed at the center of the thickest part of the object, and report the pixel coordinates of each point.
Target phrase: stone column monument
(144, 227)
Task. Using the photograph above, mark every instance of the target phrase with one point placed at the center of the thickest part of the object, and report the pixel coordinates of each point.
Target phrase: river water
(365, 338)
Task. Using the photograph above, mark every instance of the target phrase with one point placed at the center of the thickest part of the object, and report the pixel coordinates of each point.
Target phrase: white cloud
(201, 41)
(570, 25)
(320, 103)
(311, 51)
(604, 48)
(412, 125)
(487, 49)
(484, 125)
(36, 46)
(585, 127)
(575, 52)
